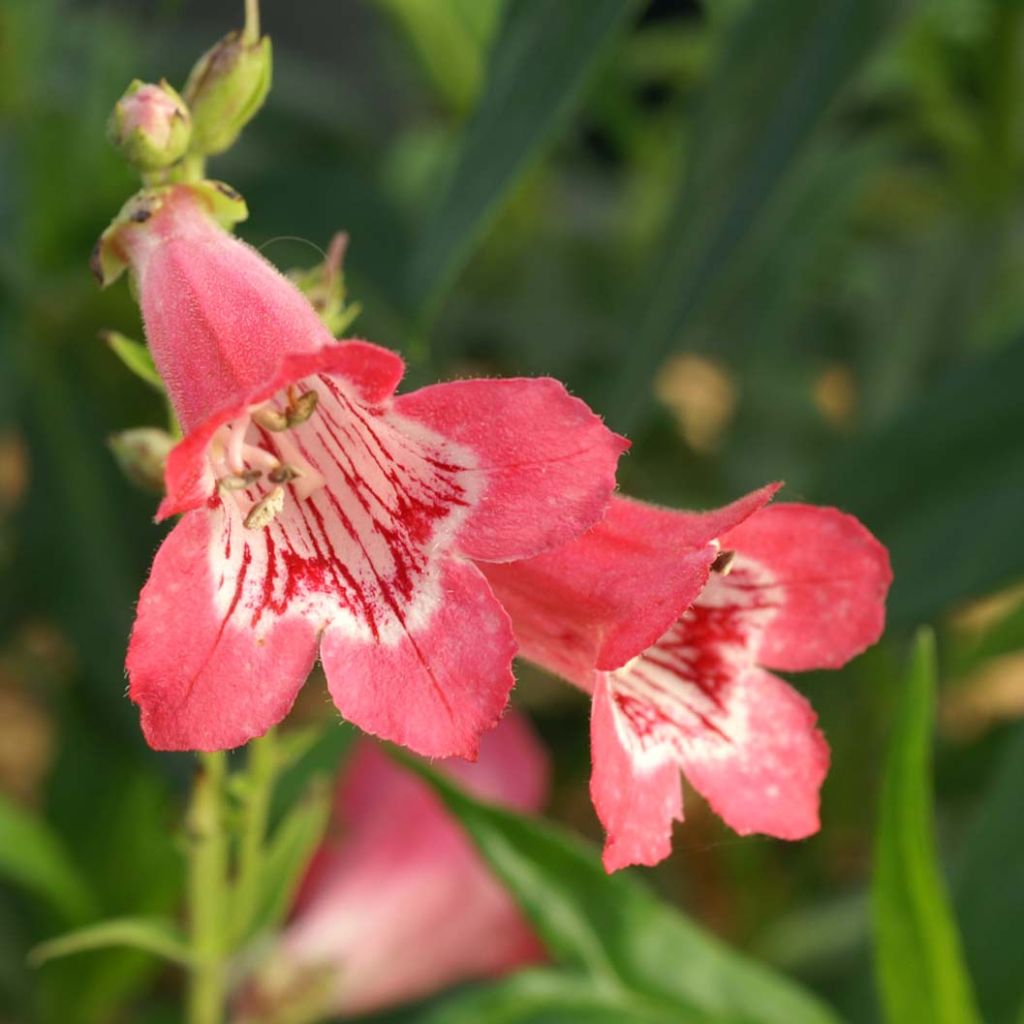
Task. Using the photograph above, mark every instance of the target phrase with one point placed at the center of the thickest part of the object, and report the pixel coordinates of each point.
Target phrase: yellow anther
(302, 408)
(240, 481)
(265, 511)
(270, 419)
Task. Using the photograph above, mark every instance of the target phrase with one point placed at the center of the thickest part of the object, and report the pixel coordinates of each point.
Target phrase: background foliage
(769, 240)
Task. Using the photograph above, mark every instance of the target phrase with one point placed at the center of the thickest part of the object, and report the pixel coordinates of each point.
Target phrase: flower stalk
(208, 892)
(263, 765)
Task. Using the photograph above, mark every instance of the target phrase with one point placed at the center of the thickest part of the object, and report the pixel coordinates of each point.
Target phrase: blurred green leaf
(989, 890)
(759, 111)
(612, 928)
(32, 856)
(450, 37)
(542, 57)
(151, 934)
(135, 355)
(289, 850)
(918, 959)
(549, 997)
(952, 524)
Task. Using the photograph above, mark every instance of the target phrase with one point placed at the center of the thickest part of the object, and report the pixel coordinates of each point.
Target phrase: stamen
(236, 443)
(271, 419)
(308, 479)
(257, 456)
(302, 408)
(284, 474)
(240, 481)
(723, 563)
(265, 511)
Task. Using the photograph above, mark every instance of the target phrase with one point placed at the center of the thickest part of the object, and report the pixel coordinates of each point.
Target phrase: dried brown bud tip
(723, 563)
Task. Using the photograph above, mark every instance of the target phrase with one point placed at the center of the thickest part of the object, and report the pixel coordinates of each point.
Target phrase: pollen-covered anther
(266, 510)
(240, 481)
(302, 408)
(284, 474)
(271, 419)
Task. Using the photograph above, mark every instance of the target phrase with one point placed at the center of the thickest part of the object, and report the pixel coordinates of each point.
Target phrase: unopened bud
(150, 125)
(225, 89)
(142, 455)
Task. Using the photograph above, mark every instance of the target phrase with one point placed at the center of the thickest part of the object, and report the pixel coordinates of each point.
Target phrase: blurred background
(772, 240)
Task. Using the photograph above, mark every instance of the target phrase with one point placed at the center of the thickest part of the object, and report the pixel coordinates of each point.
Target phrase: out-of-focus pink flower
(320, 510)
(671, 620)
(400, 905)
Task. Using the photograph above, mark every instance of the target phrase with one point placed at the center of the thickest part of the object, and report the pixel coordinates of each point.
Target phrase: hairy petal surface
(833, 576)
(606, 596)
(545, 462)
(440, 681)
(214, 659)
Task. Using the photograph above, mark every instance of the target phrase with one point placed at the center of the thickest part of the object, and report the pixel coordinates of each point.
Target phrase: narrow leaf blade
(918, 959)
(33, 857)
(136, 357)
(151, 934)
(612, 928)
(541, 59)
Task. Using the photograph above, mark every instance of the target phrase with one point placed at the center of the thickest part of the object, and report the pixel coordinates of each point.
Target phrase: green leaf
(550, 997)
(449, 37)
(759, 111)
(918, 960)
(32, 856)
(151, 934)
(962, 438)
(612, 928)
(136, 357)
(541, 59)
(988, 890)
(289, 851)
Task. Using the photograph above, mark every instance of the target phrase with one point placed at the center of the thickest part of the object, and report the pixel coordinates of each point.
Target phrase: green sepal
(108, 261)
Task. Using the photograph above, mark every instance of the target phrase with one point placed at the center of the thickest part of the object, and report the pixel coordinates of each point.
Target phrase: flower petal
(213, 661)
(434, 680)
(368, 371)
(603, 598)
(636, 793)
(832, 576)
(547, 462)
(762, 766)
(376, 909)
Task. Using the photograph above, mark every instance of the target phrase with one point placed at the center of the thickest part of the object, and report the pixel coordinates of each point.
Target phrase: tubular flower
(321, 510)
(672, 620)
(400, 905)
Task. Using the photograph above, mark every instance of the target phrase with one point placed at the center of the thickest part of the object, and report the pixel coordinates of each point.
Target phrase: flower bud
(151, 125)
(142, 455)
(225, 89)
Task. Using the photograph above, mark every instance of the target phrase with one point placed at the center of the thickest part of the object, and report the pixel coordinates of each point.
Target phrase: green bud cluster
(166, 136)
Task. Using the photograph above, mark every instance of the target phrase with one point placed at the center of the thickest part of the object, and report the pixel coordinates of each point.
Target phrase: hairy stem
(208, 892)
(261, 775)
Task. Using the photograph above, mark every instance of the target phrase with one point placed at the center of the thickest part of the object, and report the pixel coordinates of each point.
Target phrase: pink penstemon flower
(398, 904)
(322, 512)
(673, 621)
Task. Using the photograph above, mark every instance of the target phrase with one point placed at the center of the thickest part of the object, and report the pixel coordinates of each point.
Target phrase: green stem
(251, 31)
(208, 893)
(262, 773)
